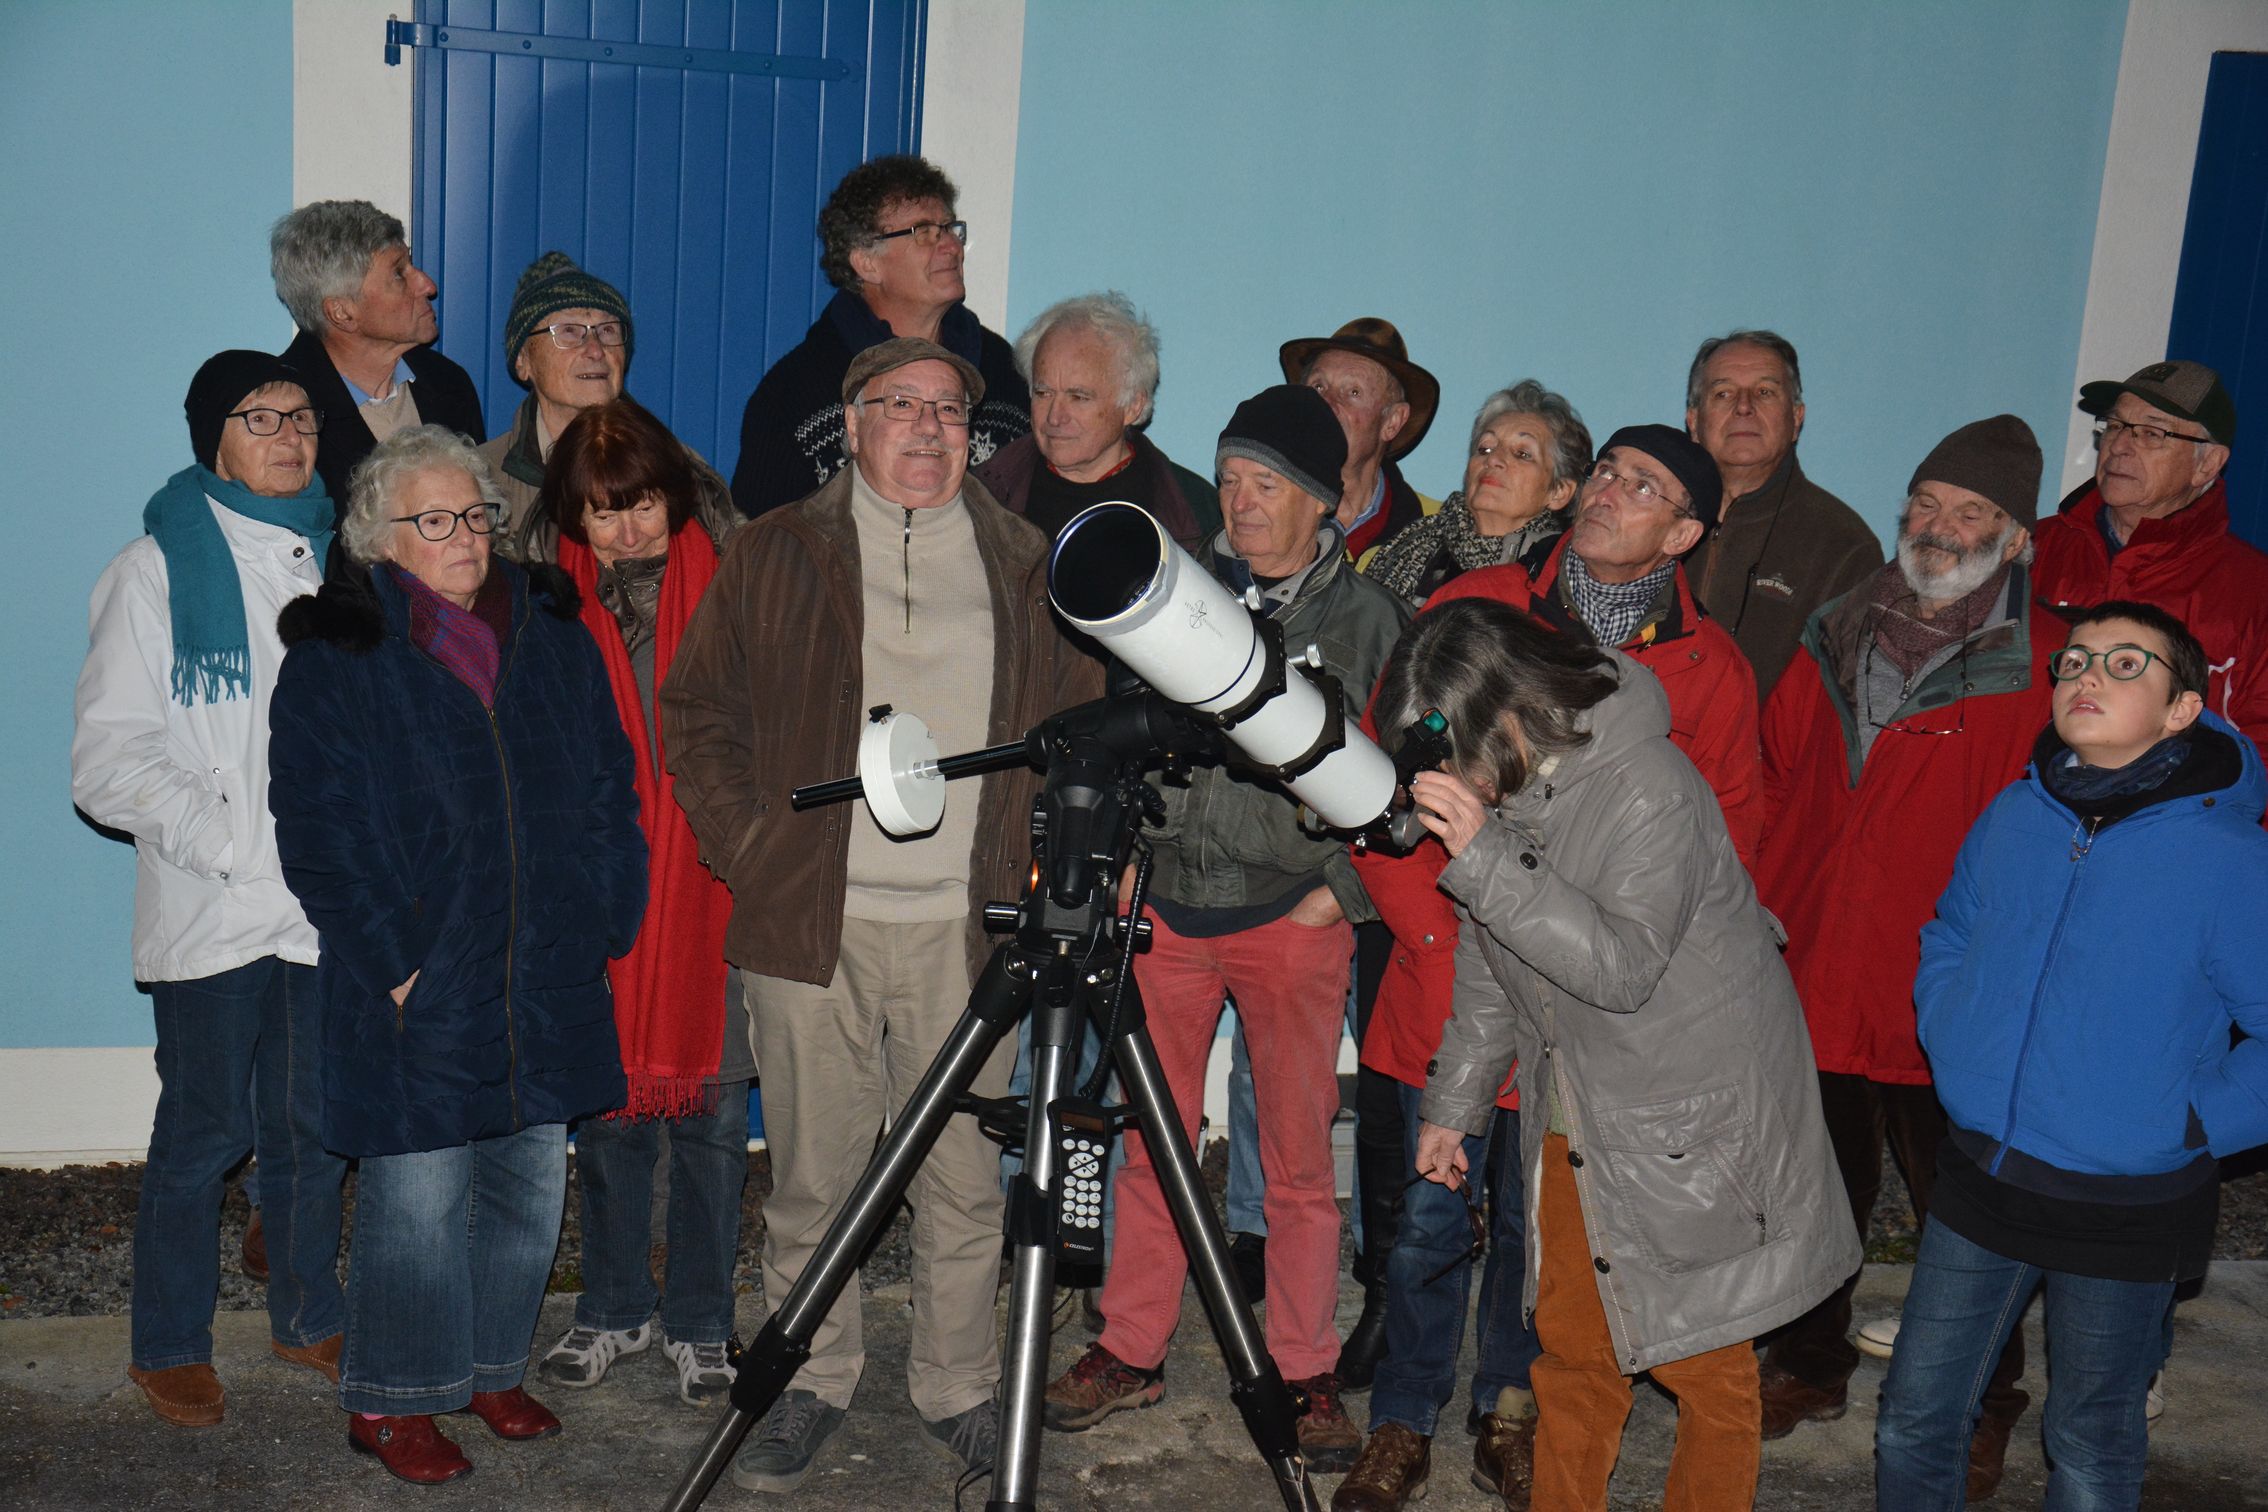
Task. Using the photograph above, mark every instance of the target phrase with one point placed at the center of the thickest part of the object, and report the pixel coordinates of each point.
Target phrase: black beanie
(1685, 459)
(221, 387)
(1289, 429)
(1999, 458)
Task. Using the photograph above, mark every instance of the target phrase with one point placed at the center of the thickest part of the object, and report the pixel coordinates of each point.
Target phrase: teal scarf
(212, 650)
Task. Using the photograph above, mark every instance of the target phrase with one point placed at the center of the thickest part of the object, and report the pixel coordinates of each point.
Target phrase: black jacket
(444, 393)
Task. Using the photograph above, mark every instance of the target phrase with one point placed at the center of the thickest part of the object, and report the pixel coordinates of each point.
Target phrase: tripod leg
(995, 1003)
(1271, 1414)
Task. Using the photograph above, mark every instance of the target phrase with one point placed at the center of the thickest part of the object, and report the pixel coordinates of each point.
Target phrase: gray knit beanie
(553, 283)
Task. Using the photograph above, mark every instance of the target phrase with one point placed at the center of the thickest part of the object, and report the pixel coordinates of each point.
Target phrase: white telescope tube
(1117, 576)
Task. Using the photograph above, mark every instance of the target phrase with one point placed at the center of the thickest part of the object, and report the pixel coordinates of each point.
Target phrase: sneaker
(970, 1437)
(703, 1371)
(1878, 1338)
(1327, 1439)
(2154, 1404)
(780, 1451)
(1099, 1384)
(582, 1355)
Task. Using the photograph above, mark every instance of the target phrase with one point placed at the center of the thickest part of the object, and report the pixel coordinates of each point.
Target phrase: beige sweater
(926, 650)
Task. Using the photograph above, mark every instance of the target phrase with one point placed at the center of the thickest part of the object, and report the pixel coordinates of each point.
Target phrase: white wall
(350, 112)
(2153, 150)
(972, 80)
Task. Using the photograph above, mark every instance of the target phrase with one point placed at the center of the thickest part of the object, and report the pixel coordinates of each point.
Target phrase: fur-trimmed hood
(348, 612)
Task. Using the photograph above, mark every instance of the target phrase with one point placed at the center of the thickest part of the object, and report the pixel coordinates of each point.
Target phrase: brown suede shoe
(1390, 1474)
(1988, 1449)
(256, 1249)
(1788, 1401)
(187, 1396)
(322, 1358)
(1504, 1449)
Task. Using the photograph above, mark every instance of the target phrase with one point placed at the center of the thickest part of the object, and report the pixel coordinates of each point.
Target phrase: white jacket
(190, 784)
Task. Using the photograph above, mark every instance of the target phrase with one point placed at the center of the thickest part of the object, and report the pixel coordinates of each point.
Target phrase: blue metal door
(679, 149)
(2220, 314)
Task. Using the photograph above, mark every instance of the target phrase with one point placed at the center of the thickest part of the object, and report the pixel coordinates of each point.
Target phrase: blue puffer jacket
(495, 853)
(2078, 984)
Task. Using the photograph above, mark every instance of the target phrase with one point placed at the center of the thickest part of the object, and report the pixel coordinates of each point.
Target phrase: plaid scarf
(1613, 611)
(469, 642)
(1911, 641)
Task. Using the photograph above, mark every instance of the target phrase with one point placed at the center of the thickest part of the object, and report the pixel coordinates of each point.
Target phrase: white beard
(1970, 571)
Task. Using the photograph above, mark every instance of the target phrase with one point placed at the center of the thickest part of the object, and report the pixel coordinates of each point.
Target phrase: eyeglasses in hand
(306, 420)
(440, 524)
(1476, 1219)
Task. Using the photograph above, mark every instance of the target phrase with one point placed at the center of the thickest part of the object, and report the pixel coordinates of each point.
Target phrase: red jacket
(1854, 859)
(1712, 695)
(2188, 565)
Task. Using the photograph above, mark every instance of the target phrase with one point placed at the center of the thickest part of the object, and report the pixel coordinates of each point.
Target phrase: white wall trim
(77, 1106)
(972, 89)
(350, 112)
(2155, 118)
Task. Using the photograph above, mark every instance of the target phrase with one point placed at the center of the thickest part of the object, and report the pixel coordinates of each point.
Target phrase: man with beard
(1911, 702)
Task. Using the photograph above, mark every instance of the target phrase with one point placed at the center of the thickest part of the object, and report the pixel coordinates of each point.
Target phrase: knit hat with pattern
(553, 283)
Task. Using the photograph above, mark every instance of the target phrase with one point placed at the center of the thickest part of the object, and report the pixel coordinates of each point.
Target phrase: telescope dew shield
(1117, 576)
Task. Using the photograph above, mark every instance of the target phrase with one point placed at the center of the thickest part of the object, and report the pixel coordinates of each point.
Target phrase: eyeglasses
(567, 335)
(952, 412)
(266, 422)
(440, 524)
(2120, 663)
(2148, 437)
(1907, 726)
(1605, 476)
(926, 233)
(1475, 1219)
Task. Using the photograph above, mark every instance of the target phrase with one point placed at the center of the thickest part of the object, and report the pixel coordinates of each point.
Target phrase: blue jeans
(219, 1038)
(2104, 1339)
(708, 1167)
(1425, 1318)
(452, 1249)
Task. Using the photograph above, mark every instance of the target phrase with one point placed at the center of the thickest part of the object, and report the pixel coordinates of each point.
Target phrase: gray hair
(1570, 437)
(370, 509)
(322, 250)
(1771, 341)
(1112, 316)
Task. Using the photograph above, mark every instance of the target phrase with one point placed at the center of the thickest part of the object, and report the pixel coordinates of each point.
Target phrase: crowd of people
(457, 772)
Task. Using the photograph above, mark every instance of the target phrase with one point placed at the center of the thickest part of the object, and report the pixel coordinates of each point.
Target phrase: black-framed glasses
(925, 234)
(567, 335)
(440, 524)
(2148, 437)
(2120, 663)
(1907, 726)
(1606, 475)
(952, 412)
(306, 420)
(1476, 1219)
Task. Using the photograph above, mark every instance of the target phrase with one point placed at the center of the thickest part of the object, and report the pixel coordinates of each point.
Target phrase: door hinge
(401, 34)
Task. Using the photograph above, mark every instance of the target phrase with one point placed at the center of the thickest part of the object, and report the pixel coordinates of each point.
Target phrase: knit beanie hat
(1289, 429)
(1685, 459)
(1999, 458)
(221, 386)
(553, 283)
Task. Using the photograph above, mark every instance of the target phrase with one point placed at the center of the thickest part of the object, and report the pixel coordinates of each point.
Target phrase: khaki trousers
(836, 1063)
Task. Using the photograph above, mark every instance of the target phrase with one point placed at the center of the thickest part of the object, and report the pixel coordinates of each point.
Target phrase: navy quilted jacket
(495, 853)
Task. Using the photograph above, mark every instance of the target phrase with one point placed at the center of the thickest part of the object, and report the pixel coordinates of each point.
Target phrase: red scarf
(669, 990)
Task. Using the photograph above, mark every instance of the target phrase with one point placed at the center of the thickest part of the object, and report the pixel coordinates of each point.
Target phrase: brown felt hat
(1378, 340)
(1999, 458)
(889, 356)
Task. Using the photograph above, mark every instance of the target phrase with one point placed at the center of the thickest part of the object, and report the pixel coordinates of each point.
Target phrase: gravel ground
(66, 1235)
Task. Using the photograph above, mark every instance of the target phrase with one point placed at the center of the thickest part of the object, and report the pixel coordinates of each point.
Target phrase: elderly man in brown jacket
(900, 581)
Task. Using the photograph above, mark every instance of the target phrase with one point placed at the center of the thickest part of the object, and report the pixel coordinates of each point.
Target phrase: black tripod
(1071, 959)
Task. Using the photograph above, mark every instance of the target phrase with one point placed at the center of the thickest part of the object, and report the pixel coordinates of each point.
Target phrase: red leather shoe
(512, 1414)
(410, 1448)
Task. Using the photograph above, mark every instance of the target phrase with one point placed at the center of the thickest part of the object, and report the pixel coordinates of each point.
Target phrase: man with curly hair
(892, 246)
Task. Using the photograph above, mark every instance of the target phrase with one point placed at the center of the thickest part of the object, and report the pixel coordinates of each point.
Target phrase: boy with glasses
(2079, 1027)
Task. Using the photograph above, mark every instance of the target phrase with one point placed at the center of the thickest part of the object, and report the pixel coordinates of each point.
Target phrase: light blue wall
(1581, 193)
(149, 148)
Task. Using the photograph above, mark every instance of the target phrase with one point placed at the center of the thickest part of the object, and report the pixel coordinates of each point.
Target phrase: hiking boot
(1326, 1438)
(1391, 1473)
(1788, 1402)
(1248, 1257)
(1366, 1342)
(1504, 1448)
(703, 1371)
(970, 1437)
(780, 1451)
(1097, 1385)
(582, 1355)
(1988, 1447)
(1878, 1337)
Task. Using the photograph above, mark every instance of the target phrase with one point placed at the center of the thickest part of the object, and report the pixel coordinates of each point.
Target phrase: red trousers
(1290, 985)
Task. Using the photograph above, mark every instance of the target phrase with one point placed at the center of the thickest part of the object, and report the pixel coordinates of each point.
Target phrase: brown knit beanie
(1999, 458)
